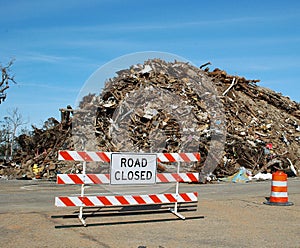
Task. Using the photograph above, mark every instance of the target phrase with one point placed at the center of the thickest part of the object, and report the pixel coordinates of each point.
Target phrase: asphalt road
(228, 215)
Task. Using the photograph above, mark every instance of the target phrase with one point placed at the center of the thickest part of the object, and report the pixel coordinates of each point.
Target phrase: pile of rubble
(263, 127)
(37, 155)
(163, 106)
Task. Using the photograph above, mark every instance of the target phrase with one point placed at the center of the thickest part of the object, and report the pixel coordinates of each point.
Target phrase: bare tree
(6, 80)
(12, 122)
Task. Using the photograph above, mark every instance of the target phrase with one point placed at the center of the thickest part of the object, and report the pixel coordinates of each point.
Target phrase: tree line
(10, 123)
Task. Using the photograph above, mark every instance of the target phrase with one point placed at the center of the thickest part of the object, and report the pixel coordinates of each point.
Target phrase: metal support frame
(175, 210)
(80, 216)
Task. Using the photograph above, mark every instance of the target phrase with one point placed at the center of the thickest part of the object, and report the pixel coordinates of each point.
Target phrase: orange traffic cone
(279, 196)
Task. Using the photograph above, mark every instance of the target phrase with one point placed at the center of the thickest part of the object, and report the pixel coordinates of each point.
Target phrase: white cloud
(41, 58)
(56, 87)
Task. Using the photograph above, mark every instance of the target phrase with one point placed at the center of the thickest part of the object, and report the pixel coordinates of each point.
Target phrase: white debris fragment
(147, 69)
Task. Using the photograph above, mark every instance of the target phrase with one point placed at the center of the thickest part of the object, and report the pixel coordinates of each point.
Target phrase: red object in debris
(269, 146)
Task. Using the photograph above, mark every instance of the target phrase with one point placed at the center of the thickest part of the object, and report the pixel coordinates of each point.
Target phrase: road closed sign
(128, 168)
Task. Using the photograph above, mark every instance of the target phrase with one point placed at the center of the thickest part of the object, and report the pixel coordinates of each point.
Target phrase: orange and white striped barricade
(125, 200)
(106, 156)
(279, 190)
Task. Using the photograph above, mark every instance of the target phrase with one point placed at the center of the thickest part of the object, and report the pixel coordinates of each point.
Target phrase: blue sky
(57, 45)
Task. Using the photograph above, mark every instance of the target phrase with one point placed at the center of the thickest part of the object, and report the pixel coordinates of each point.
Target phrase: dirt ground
(228, 215)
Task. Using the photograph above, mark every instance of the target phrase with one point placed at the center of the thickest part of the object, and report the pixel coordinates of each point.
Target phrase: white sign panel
(127, 168)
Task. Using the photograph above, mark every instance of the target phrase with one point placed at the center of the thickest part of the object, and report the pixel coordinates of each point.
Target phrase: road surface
(228, 215)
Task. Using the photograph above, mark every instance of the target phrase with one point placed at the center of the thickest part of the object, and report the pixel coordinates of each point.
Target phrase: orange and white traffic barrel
(279, 194)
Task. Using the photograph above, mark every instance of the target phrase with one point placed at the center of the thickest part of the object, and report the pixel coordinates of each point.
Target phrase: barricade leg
(175, 210)
(80, 216)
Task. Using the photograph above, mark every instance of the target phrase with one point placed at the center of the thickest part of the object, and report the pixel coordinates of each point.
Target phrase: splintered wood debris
(163, 106)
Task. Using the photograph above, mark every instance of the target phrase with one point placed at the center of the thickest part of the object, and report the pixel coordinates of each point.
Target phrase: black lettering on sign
(123, 162)
(117, 177)
(133, 175)
(142, 176)
(133, 163)
(133, 169)
(144, 162)
(137, 176)
(130, 175)
(137, 163)
(149, 175)
(130, 162)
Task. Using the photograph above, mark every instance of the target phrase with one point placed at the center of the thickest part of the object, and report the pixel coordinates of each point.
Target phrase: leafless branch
(6, 79)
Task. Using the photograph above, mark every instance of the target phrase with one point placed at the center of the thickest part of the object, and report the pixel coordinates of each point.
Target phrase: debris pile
(163, 106)
(37, 153)
(262, 127)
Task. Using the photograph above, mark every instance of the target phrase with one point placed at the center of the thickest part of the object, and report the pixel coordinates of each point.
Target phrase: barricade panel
(124, 200)
(105, 178)
(105, 156)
